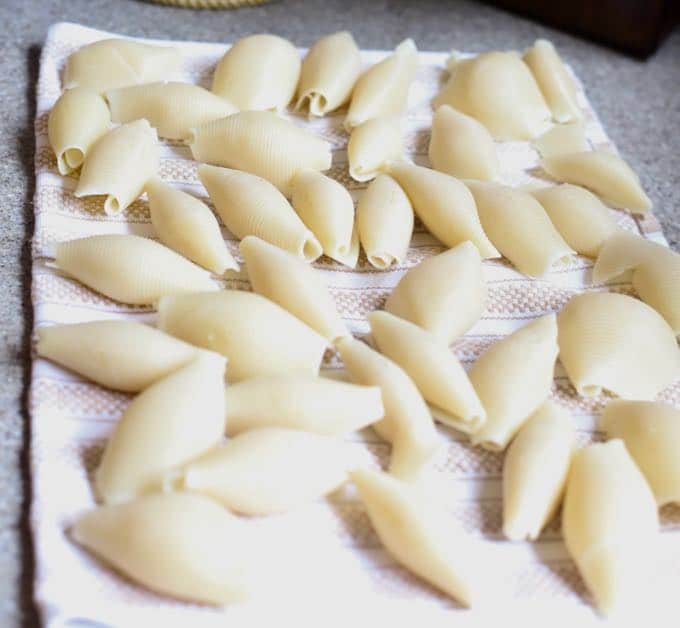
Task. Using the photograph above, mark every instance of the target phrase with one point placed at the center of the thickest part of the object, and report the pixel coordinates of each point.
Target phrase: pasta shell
(418, 533)
(407, 423)
(258, 336)
(498, 89)
(384, 219)
(561, 139)
(269, 469)
(462, 147)
(604, 173)
(77, 120)
(171, 422)
(372, 145)
(118, 354)
(435, 370)
(118, 165)
(261, 143)
(383, 89)
(513, 378)
(620, 253)
(249, 205)
(129, 268)
(535, 472)
(445, 294)
(208, 558)
(579, 216)
(444, 204)
(609, 522)
(519, 227)
(301, 402)
(329, 72)
(188, 226)
(172, 108)
(294, 285)
(618, 343)
(258, 72)
(651, 433)
(111, 63)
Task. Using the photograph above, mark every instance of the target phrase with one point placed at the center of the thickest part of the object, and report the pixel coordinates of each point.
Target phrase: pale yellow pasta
(579, 216)
(329, 71)
(444, 294)
(461, 146)
(444, 204)
(249, 205)
(261, 143)
(118, 165)
(435, 370)
(77, 120)
(111, 63)
(384, 219)
(171, 422)
(562, 138)
(129, 268)
(156, 542)
(621, 252)
(258, 72)
(498, 89)
(372, 145)
(606, 174)
(383, 89)
(419, 534)
(187, 225)
(258, 336)
(535, 472)
(615, 342)
(519, 228)
(651, 433)
(118, 354)
(609, 523)
(288, 281)
(172, 108)
(513, 378)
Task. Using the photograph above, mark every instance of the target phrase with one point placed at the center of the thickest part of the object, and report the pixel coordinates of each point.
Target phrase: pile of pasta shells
(231, 417)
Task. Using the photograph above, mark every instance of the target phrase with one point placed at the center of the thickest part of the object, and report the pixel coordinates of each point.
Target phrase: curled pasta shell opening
(314, 102)
(72, 158)
(382, 260)
(310, 249)
(111, 205)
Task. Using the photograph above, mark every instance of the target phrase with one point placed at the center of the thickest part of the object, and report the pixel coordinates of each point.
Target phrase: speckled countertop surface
(639, 103)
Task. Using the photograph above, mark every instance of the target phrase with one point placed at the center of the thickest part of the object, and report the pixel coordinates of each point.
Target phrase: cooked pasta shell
(172, 108)
(258, 72)
(621, 252)
(249, 205)
(444, 204)
(604, 173)
(535, 472)
(615, 342)
(372, 145)
(651, 433)
(258, 336)
(294, 285)
(77, 120)
(118, 354)
(383, 89)
(519, 227)
(261, 143)
(445, 294)
(129, 268)
(118, 165)
(561, 139)
(419, 534)
(462, 147)
(579, 216)
(111, 63)
(498, 89)
(329, 71)
(513, 378)
(182, 545)
(435, 370)
(301, 402)
(384, 219)
(170, 423)
(609, 523)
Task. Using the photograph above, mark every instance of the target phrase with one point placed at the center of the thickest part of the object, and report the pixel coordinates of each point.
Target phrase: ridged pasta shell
(372, 145)
(561, 139)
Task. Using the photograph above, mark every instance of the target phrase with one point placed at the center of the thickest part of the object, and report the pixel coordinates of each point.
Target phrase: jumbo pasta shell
(563, 139)
(373, 145)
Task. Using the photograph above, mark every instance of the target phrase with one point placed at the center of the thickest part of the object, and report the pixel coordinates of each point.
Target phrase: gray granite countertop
(639, 103)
